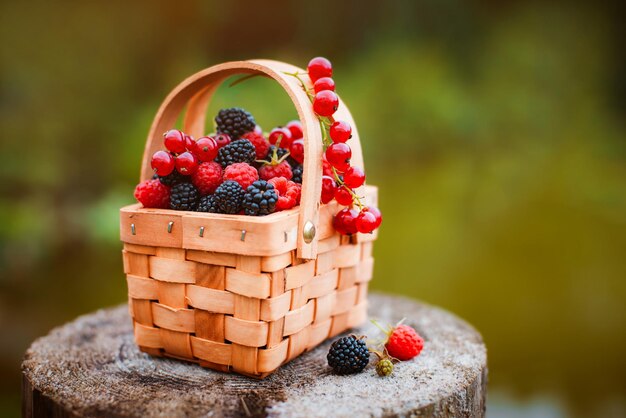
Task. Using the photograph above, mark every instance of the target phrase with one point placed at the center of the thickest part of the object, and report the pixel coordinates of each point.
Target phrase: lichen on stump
(91, 367)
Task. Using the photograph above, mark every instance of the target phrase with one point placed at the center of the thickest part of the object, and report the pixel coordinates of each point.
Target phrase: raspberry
(288, 193)
(242, 173)
(261, 145)
(348, 355)
(208, 204)
(229, 197)
(260, 199)
(235, 122)
(404, 342)
(184, 196)
(207, 177)
(240, 151)
(279, 170)
(153, 194)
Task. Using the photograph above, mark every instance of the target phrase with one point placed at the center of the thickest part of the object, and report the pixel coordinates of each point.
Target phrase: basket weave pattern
(241, 293)
(248, 313)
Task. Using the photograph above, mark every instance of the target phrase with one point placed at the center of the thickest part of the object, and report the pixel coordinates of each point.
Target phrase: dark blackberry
(297, 174)
(208, 204)
(229, 197)
(260, 199)
(240, 151)
(184, 196)
(348, 355)
(234, 122)
(174, 178)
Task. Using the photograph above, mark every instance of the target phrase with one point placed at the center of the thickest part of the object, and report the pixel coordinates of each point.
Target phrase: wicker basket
(241, 293)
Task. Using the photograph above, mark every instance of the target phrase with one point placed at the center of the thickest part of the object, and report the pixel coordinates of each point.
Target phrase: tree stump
(92, 368)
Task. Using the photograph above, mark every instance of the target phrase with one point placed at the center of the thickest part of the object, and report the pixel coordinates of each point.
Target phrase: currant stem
(325, 123)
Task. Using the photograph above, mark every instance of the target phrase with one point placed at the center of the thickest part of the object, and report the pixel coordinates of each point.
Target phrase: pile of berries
(350, 354)
(239, 169)
(340, 177)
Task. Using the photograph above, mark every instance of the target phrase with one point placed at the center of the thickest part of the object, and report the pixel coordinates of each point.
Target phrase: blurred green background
(495, 131)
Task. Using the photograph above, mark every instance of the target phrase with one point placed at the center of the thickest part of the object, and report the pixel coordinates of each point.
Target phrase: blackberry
(184, 196)
(297, 174)
(384, 367)
(260, 199)
(348, 355)
(174, 178)
(229, 197)
(208, 204)
(235, 122)
(240, 151)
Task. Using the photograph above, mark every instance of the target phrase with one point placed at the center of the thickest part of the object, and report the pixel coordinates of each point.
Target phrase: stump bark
(92, 368)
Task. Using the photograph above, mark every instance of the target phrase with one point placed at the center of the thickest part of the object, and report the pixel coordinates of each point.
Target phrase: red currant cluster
(185, 153)
(340, 178)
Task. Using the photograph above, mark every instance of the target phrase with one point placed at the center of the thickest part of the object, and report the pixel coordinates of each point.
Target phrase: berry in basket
(214, 173)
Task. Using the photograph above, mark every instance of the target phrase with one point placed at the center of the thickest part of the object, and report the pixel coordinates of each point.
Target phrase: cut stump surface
(92, 368)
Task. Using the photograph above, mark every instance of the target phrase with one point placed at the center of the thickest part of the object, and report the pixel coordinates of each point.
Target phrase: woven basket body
(240, 293)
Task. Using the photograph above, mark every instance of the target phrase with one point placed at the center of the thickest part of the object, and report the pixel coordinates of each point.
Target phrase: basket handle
(196, 92)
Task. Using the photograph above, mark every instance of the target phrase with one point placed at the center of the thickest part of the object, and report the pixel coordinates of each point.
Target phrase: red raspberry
(261, 144)
(242, 173)
(404, 343)
(270, 171)
(153, 194)
(207, 177)
(288, 193)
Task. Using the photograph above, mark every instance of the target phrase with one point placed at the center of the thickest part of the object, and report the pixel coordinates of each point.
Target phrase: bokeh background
(495, 130)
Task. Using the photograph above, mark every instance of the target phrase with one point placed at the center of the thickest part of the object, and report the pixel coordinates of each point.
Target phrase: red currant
(222, 140)
(338, 155)
(354, 177)
(327, 169)
(280, 134)
(366, 222)
(189, 142)
(343, 196)
(325, 103)
(205, 149)
(374, 210)
(186, 163)
(295, 127)
(324, 83)
(344, 221)
(296, 150)
(258, 130)
(162, 163)
(319, 67)
(328, 189)
(174, 141)
(340, 131)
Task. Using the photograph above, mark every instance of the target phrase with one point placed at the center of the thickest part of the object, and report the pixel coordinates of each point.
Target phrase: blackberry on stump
(260, 199)
(229, 197)
(240, 151)
(208, 204)
(184, 196)
(235, 122)
(348, 355)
